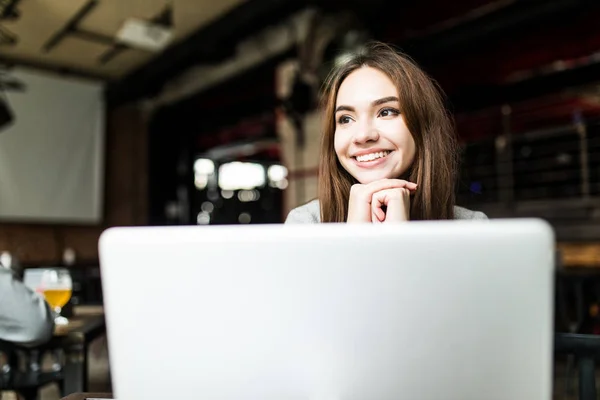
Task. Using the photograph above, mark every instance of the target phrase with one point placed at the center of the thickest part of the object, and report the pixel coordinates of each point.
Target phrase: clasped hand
(382, 201)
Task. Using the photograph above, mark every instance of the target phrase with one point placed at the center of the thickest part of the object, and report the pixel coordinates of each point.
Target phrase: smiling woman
(388, 152)
(371, 139)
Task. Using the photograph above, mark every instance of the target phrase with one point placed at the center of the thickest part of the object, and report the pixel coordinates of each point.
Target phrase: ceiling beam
(70, 26)
(64, 70)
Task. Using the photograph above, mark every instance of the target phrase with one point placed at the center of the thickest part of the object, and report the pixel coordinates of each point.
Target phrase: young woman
(388, 152)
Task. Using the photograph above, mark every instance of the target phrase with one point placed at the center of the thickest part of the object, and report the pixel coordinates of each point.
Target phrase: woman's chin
(365, 179)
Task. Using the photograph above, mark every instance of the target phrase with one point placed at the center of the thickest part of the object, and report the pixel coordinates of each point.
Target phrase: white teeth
(372, 156)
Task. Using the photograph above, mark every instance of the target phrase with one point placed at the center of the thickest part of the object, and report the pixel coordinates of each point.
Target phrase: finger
(377, 202)
(387, 195)
(384, 184)
(359, 206)
(376, 219)
(400, 183)
(377, 213)
(398, 206)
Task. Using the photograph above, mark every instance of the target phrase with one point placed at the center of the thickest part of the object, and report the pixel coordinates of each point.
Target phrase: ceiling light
(145, 35)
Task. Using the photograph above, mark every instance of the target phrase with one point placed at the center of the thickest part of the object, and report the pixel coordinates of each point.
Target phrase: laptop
(426, 310)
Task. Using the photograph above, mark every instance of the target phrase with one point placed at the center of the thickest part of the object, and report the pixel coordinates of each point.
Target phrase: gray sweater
(310, 213)
(25, 317)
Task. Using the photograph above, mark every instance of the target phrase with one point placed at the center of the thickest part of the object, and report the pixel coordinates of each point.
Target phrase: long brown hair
(422, 106)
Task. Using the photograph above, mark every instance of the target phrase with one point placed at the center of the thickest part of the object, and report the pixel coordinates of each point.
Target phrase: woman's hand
(391, 205)
(361, 197)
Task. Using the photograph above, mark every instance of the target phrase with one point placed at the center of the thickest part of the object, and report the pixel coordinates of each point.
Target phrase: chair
(586, 348)
(20, 371)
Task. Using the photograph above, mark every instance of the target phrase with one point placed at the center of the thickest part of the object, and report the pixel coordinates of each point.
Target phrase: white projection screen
(52, 156)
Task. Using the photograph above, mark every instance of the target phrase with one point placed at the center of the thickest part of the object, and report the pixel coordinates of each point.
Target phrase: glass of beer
(57, 287)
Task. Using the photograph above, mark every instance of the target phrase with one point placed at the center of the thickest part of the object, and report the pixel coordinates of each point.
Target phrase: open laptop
(426, 310)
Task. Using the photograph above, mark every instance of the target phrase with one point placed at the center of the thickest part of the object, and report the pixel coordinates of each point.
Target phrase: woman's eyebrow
(377, 102)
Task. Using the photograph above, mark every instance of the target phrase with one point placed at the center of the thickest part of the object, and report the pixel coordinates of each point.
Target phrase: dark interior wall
(125, 199)
(505, 54)
(239, 109)
(168, 143)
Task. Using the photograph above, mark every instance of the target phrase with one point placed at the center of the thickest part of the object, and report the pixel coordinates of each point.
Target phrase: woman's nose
(366, 133)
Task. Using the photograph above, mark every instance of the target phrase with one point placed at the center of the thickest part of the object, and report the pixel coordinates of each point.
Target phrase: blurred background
(197, 112)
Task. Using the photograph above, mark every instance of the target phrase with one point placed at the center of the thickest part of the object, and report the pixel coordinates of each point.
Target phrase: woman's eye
(387, 112)
(344, 119)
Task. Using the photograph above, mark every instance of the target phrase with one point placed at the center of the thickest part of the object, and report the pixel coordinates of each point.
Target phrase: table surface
(84, 320)
(83, 396)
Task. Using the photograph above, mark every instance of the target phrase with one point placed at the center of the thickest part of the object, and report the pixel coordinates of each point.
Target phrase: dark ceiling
(470, 46)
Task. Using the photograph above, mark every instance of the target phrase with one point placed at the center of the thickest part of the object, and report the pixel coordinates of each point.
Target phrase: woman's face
(371, 139)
